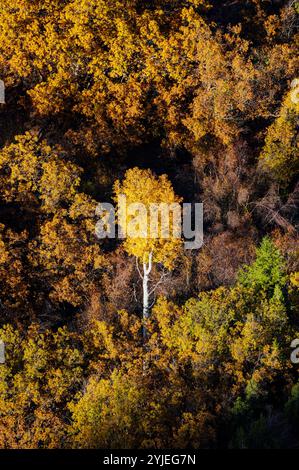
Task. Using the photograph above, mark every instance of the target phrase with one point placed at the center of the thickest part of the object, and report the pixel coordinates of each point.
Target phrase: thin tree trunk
(147, 267)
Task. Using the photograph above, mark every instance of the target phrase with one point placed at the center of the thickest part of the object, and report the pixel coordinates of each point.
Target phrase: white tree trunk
(147, 267)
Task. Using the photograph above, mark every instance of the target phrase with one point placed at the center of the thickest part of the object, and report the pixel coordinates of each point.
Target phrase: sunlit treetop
(142, 186)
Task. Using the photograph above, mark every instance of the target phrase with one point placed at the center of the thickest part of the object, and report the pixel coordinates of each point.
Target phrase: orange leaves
(33, 170)
(13, 282)
(126, 67)
(71, 256)
(65, 249)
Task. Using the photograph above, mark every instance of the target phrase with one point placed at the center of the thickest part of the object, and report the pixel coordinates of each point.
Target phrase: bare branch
(134, 292)
(162, 277)
(137, 266)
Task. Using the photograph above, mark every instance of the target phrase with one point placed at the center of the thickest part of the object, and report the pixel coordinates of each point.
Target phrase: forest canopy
(163, 101)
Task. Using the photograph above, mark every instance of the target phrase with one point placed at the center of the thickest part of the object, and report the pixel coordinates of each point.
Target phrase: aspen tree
(155, 193)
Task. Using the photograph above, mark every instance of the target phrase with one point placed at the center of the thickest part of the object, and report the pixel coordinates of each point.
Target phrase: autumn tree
(41, 372)
(14, 282)
(280, 153)
(153, 235)
(152, 68)
(62, 249)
